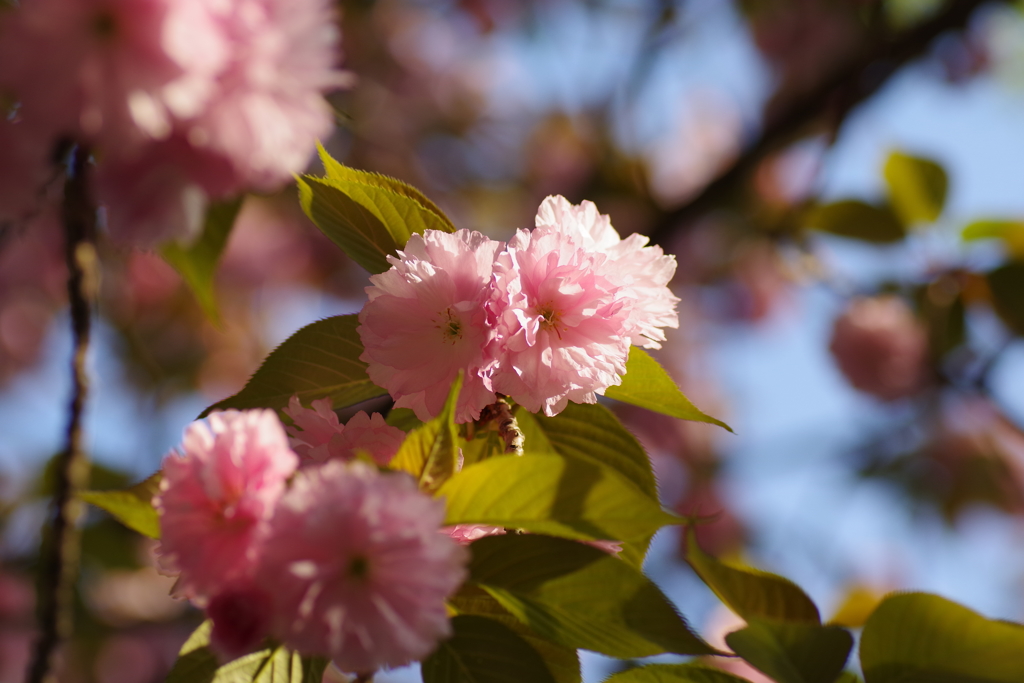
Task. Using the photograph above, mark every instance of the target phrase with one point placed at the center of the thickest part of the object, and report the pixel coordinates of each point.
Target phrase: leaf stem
(61, 549)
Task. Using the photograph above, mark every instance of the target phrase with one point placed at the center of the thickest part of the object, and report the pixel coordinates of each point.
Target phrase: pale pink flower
(429, 317)
(464, 534)
(641, 271)
(217, 495)
(318, 436)
(267, 110)
(358, 571)
(881, 347)
(564, 327)
(101, 69)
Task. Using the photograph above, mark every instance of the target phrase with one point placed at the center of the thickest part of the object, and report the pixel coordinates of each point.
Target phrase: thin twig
(861, 75)
(500, 413)
(60, 554)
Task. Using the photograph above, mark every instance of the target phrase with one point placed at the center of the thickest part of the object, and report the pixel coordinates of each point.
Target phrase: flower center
(104, 25)
(450, 326)
(359, 568)
(550, 319)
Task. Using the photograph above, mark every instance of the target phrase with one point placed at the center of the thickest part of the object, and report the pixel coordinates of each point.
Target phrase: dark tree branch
(852, 82)
(59, 562)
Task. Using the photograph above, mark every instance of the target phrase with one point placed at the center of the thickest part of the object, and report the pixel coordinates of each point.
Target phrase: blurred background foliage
(839, 180)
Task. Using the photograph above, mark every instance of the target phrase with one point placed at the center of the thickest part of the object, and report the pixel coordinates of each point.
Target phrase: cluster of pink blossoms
(545, 319)
(182, 101)
(334, 558)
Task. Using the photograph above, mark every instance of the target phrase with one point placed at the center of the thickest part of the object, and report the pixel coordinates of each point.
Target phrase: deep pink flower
(359, 571)
(564, 330)
(317, 435)
(24, 168)
(881, 347)
(241, 619)
(217, 495)
(642, 272)
(427, 318)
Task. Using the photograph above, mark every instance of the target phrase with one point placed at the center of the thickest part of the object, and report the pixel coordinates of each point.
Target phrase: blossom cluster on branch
(336, 559)
(182, 101)
(545, 319)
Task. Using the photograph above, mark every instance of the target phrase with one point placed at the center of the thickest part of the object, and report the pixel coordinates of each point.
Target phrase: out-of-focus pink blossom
(610, 547)
(24, 168)
(241, 619)
(359, 571)
(464, 534)
(721, 623)
(428, 318)
(217, 495)
(642, 272)
(881, 348)
(317, 435)
(564, 329)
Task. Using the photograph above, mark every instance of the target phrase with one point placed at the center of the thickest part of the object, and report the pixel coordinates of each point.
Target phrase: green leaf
(345, 174)
(320, 360)
(751, 593)
(197, 263)
(917, 187)
(592, 431)
(674, 673)
(431, 453)
(646, 384)
(197, 663)
(552, 494)
(485, 445)
(1007, 286)
(563, 662)
(922, 638)
(132, 507)
(580, 596)
(793, 652)
(857, 220)
(483, 650)
(1011, 232)
(404, 419)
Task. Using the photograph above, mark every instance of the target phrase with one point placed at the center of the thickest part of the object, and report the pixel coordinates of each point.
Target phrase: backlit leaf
(552, 494)
(320, 360)
(430, 453)
(197, 262)
(133, 507)
(1011, 232)
(1007, 285)
(751, 593)
(793, 652)
(917, 187)
(646, 384)
(857, 220)
(674, 673)
(580, 596)
(483, 650)
(922, 638)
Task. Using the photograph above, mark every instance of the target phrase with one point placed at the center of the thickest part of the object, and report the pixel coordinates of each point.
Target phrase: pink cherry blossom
(564, 329)
(464, 534)
(428, 318)
(24, 169)
(642, 272)
(217, 495)
(881, 347)
(358, 571)
(317, 435)
(241, 619)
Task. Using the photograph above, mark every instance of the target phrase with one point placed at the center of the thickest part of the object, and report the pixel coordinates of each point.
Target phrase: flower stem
(61, 545)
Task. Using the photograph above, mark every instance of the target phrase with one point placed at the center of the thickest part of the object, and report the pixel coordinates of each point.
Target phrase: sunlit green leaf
(793, 652)
(592, 431)
(404, 419)
(320, 360)
(552, 494)
(563, 662)
(857, 220)
(646, 384)
(917, 187)
(580, 596)
(751, 593)
(197, 663)
(1007, 285)
(1011, 232)
(430, 453)
(345, 174)
(485, 445)
(197, 262)
(674, 673)
(483, 650)
(133, 507)
(922, 638)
